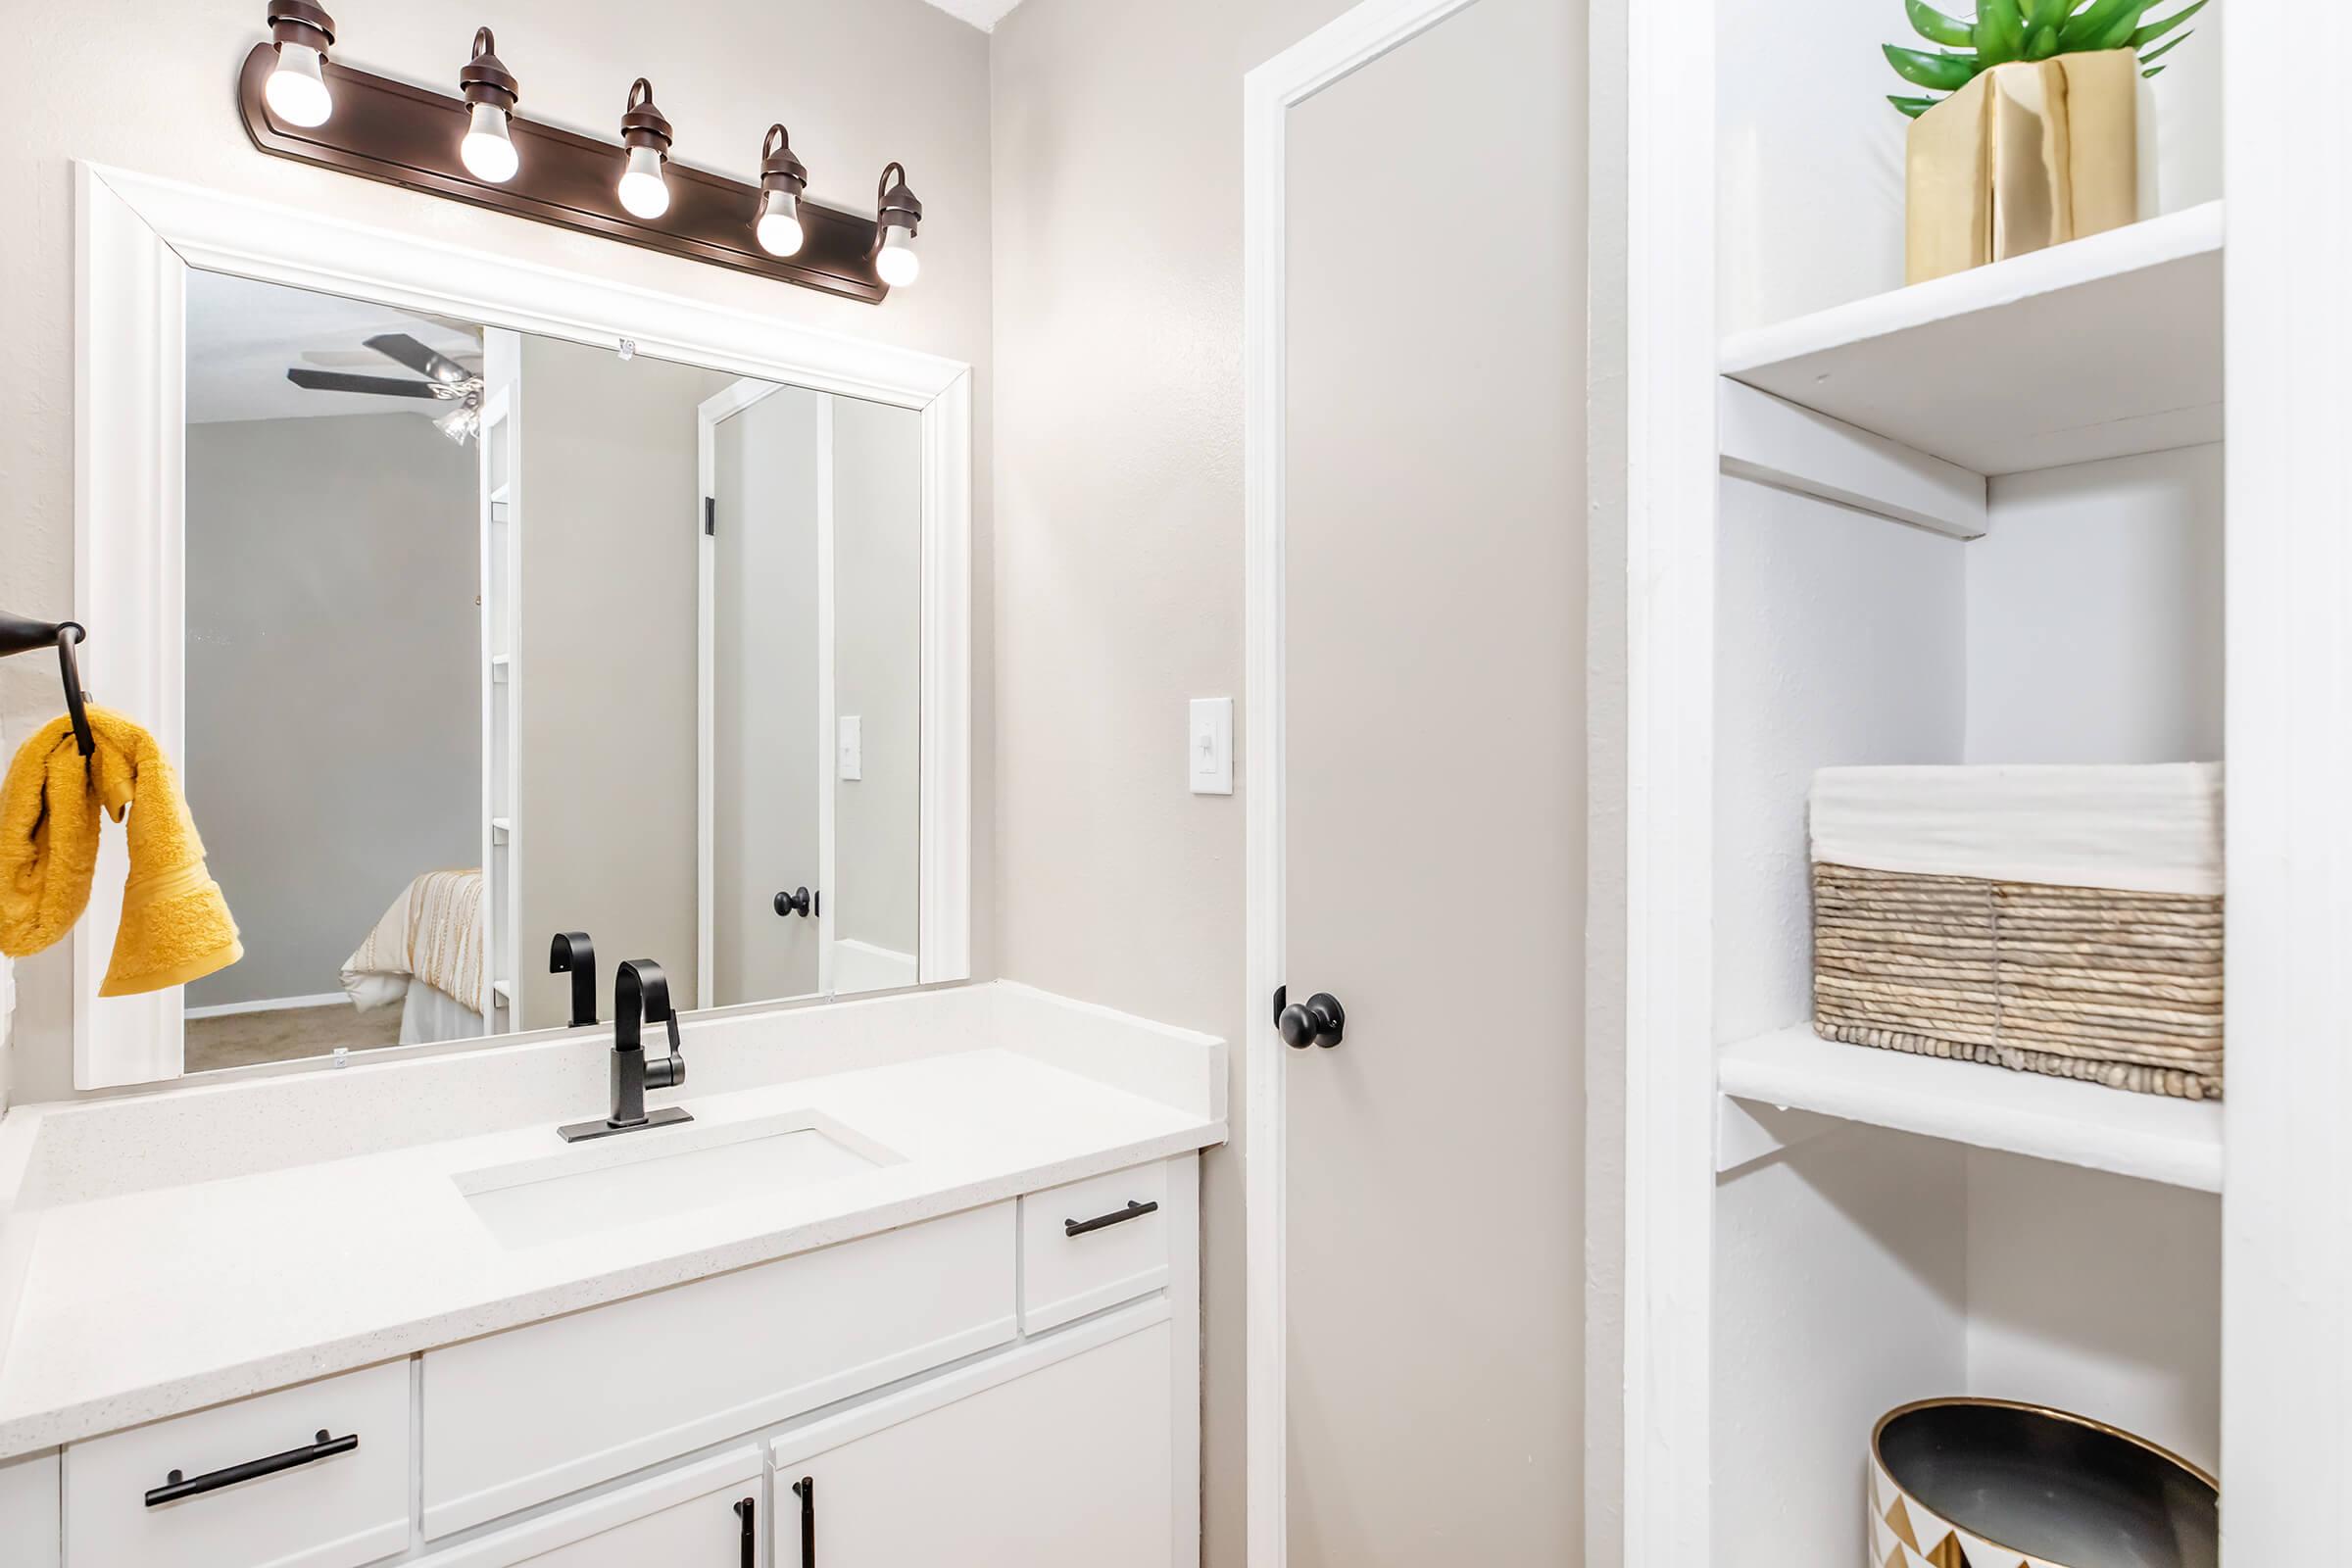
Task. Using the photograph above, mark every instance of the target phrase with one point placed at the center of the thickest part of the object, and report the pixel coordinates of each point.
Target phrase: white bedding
(432, 933)
(2148, 828)
(431, 1014)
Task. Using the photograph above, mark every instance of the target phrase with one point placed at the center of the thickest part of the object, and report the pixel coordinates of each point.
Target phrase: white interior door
(766, 684)
(1429, 839)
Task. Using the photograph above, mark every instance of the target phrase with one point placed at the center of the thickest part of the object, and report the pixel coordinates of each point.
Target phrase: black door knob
(797, 901)
(1319, 1021)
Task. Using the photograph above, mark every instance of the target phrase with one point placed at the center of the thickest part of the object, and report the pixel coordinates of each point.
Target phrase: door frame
(136, 235)
(708, 416)
(1324, 57)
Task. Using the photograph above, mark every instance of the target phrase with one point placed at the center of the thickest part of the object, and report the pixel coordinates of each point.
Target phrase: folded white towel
(2149, 828)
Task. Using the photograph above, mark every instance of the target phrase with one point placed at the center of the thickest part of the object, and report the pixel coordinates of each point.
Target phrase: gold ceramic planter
(1993, 1484)
(2029, 154)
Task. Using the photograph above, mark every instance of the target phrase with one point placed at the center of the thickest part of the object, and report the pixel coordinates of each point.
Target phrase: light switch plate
(852, 746)
(1209, 767)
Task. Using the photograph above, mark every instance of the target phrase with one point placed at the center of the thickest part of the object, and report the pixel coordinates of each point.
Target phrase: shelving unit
(501, 694)
(2175, 1141)
(1983, 519)
(2109, 346)
(1976, 520)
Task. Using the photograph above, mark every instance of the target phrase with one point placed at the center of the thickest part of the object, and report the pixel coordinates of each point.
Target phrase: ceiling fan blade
(416, 356)
(337, 381)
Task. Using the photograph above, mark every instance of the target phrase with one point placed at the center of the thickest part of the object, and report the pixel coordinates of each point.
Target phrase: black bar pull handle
(805, 1490)
(745, 1508)
(175, 1486)
(1117, 1216)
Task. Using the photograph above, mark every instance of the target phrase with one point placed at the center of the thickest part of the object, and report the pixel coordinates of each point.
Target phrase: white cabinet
(706, 1515)
(1093, 1244)
(29, 1533)
(528, 1415)
(314, 1476)
(1064, 1466)
(938, 1413)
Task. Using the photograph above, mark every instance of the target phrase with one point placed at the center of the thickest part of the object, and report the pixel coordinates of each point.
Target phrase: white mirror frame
(137, 236)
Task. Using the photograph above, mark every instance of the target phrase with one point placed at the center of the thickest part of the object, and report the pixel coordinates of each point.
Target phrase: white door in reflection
(811, 675)
(768, 808)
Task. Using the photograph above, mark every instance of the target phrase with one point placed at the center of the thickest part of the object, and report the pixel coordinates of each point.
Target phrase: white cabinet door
(1067, 1467)
(704, 1531)
(694, 1517)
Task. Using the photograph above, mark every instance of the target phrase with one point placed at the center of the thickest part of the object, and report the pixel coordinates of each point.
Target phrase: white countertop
(138, 1305)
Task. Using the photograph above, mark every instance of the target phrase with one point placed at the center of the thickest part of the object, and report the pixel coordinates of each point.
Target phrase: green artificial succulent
(2024, 29)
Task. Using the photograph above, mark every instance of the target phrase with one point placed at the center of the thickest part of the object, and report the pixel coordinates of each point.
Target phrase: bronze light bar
(402, 136)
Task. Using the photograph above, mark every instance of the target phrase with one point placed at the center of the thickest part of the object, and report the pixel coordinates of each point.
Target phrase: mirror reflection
(563, 642)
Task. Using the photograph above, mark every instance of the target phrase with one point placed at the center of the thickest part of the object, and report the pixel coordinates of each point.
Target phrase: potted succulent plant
(2038, 137)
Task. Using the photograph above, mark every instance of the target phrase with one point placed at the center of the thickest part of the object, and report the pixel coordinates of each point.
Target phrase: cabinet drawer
(1069, 1276)
(520, 1417)
(328, 1506)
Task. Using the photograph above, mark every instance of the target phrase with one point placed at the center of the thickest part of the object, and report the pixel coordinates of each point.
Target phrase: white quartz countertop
(151, 1303)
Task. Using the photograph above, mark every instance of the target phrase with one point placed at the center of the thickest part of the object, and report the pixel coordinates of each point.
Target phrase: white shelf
(2177, 1142)
(501, 993)
(2099, 348)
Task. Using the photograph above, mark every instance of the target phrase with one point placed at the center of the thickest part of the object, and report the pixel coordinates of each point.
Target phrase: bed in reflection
(426, 955)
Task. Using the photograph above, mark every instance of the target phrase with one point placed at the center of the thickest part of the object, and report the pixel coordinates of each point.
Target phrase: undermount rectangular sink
(673, 1170)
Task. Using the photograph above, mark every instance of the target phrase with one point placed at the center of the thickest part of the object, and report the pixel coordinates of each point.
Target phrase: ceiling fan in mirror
(444, 378)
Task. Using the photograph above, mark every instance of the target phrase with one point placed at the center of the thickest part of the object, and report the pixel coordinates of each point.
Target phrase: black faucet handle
(667, 1072)
(572, 953)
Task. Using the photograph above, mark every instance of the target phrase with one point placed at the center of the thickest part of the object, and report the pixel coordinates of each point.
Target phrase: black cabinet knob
(1319, 1021)
(797, 901)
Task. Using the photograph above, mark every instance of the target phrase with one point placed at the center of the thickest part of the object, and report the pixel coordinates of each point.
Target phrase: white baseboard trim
(864, 966)
(325, 998)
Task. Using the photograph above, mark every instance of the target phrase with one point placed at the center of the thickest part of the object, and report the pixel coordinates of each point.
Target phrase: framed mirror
(485, 607)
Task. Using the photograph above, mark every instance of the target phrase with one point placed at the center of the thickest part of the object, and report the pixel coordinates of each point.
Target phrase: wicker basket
(2118, 988)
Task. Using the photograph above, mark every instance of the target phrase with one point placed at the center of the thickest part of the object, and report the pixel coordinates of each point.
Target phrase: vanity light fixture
(645, 134)
(296, 91)
(782, 178)
(490, 89)
(894, 224)
(472, 143)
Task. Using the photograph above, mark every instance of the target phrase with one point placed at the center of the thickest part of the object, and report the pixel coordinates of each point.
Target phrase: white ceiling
(244, 336)
(981, 13)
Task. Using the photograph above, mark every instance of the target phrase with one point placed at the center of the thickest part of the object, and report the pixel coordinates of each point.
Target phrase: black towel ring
(69, 669)
(20, 635)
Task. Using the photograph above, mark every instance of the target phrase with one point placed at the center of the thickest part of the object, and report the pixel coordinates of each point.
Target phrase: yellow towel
(175, 924)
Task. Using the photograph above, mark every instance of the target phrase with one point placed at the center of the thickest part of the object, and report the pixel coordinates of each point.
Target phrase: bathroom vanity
(917, 1283)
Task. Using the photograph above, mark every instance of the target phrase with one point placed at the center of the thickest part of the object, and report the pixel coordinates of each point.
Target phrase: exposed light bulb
(778, 230)
(643, 190)
(488, 151)
(296, 91)
(897, 265)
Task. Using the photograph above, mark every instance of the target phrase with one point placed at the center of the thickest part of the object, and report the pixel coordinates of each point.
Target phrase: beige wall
(1118, 274)
(148, 86)
(878, 670)
(606, 664)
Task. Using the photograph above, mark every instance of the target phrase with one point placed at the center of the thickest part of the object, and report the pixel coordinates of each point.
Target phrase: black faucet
(572, 953)
(640, 995)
